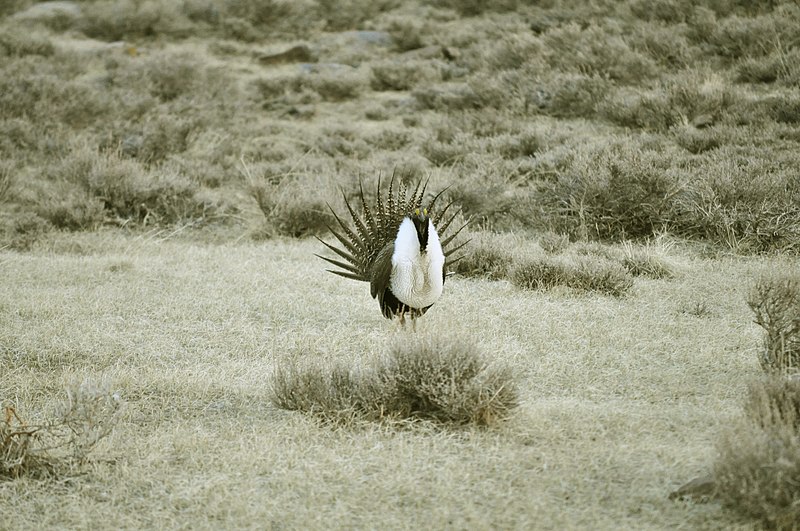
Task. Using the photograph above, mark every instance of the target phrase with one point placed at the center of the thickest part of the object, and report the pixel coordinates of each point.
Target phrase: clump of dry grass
(582, 273)
(775, 300)
(438, 379)
(646, 260)
(757, 472)
(6, 181)
(553, 243)
(85, 416)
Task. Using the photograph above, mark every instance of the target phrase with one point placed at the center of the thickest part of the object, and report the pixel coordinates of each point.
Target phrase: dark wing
(381, 272)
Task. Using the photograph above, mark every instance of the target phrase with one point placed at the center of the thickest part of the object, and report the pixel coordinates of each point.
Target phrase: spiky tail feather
(369, 233)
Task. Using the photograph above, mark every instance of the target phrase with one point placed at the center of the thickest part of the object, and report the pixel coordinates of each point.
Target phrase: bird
(397, 245)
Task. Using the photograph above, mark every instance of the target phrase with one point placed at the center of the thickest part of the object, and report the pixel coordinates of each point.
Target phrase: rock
(700, 489)
(296, 54)
(50, 13)
(325, 68)
(374, 38)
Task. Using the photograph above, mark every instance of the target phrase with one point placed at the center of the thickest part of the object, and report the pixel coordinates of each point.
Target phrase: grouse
(397, 245)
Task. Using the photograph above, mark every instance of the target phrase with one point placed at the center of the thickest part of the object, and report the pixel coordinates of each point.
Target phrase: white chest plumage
(417, 277)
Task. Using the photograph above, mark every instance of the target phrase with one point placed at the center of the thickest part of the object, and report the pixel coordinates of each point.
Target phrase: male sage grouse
(399, 247)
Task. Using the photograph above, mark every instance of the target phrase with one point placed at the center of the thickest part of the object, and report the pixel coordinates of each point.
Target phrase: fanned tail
(365, 234)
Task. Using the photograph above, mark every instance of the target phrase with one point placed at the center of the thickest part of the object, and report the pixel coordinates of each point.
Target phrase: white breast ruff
(417, 278)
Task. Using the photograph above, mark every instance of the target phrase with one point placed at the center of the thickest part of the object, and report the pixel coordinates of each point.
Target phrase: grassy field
(630, 173)
(621, 399)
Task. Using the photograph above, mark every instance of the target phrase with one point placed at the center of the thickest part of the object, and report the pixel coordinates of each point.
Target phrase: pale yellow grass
(621, 399)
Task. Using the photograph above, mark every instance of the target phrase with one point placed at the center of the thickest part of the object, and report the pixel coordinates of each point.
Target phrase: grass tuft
(757, 472)
(553, 243)
(438, 379)
(775, 300)
(582, 273)
(646, 260)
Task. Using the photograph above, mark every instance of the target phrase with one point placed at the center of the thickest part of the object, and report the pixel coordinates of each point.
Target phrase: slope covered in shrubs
(610, 120)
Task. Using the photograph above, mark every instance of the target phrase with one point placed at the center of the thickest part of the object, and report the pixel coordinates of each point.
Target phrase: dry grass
(189, 335)
(602, 122)
(50, 448)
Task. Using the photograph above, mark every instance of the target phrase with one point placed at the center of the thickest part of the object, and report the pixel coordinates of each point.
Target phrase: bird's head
(420, 219)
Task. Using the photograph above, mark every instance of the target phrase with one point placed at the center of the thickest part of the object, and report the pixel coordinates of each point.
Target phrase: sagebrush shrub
(619, 196)
(582, 273)
(775, 301)
(6, 181)
(131, 193)
(485, 258)
(87, 414)
(448, 381)
(438, 379)
(72, 210)
(757, 471)
(17, 42)
(291, 208)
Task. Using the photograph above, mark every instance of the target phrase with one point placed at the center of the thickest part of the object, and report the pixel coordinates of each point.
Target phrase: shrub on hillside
(72, 210)
(17, 42)
(775, 301)
(290, 207)
(757, 471)
(6, 181)
(749, 204)
(132, 194)
(553, 243)
(596, 50)
(569, 96)
(621, 195)
(24, 230)
(485, 257)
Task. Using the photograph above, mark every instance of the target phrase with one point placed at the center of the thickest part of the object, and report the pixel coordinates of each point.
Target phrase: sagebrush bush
(130, 193)
(87, 414)
(596, 50)
(757, 471)
(6, 181)
(485, 258)
(72, 210)
(291, 206)
(25, 230)
(775, 301)
(582, 273)
(17, 42)
(747, 203)
(438, 379)
(621, 194)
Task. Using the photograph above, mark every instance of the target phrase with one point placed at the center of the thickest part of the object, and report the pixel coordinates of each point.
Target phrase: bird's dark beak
(421, 224)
